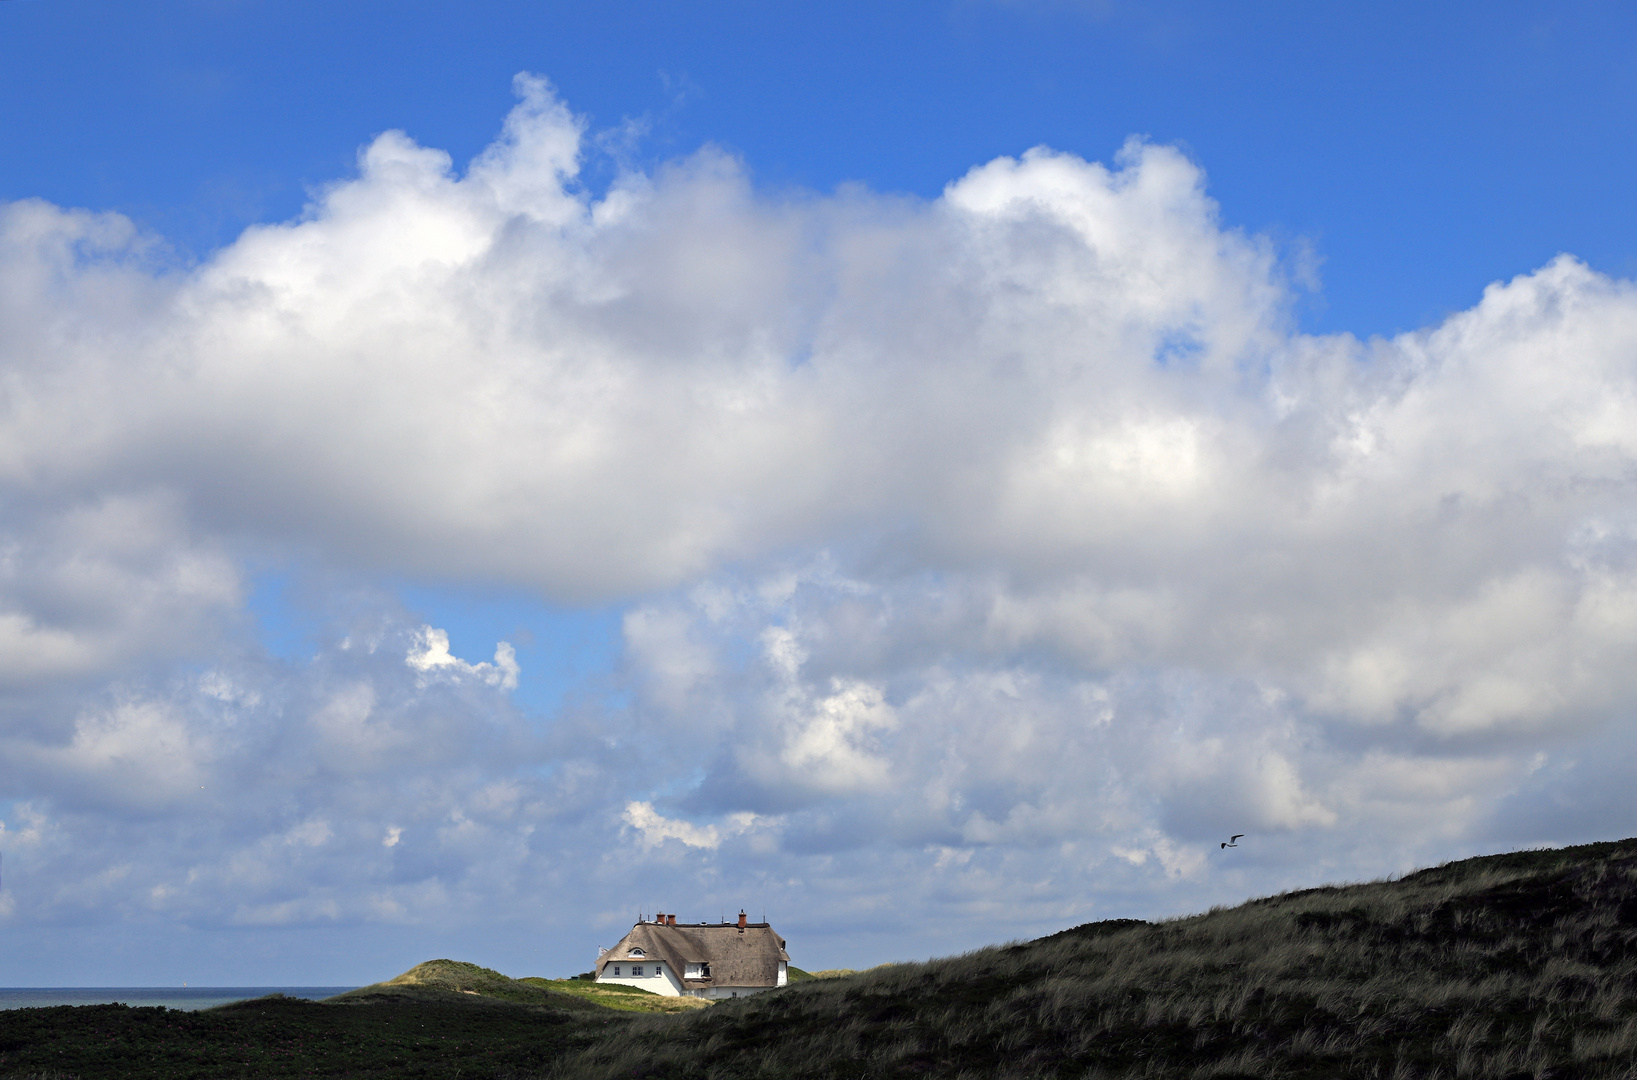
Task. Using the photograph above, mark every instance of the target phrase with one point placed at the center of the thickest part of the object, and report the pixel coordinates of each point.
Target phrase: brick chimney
(741, 920)
(670, 920)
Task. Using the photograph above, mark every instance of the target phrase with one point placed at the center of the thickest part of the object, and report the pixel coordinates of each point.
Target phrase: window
(657, 971)
(636, 972)
(637, 954)
(616, 972)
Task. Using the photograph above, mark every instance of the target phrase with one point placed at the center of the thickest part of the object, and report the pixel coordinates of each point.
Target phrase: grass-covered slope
(440, 1019)
(615, 996)
(393, 1038)
(1519, 965)
(436, 979)
(1508, 967)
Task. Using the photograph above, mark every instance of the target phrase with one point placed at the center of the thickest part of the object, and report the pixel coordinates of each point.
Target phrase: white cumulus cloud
(998, 552)
(430, 656)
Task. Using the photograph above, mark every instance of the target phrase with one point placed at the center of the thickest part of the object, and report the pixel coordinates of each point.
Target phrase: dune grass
(830, 973)
(1507, 967)
(440, 1019)
(423, 1033)
(1519, 965)
(615, 996)
(435, 979)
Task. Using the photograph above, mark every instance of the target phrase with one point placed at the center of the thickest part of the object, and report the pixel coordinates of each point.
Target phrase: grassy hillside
(1519, 965)
(421, 1034)
(435, 980)
(1508, 967)
(621, 998)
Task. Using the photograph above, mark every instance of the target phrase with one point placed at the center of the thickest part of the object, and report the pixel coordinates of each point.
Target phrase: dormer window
(637, 954)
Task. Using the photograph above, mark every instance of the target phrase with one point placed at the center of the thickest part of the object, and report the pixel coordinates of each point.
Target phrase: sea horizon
(187, 998)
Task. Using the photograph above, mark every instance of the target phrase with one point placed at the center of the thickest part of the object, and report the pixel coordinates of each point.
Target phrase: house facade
(707, 960)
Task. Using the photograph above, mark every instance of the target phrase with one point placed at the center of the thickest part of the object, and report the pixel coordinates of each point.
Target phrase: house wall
(668, 982)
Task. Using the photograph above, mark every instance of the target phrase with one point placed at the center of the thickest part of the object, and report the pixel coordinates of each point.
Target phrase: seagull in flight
(1233, 841)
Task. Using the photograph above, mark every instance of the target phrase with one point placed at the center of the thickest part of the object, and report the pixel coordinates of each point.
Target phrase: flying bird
(1233, 841)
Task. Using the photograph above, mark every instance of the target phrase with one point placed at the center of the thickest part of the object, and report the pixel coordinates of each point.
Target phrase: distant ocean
(171, 997)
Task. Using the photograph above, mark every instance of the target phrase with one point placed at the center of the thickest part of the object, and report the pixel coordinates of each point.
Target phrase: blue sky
(1420, 151)
(472, 472)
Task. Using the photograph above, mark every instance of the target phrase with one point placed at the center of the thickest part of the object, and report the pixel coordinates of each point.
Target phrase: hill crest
(1515, 965)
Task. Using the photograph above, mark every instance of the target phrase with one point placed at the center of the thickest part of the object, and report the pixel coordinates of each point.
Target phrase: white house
(708, 960)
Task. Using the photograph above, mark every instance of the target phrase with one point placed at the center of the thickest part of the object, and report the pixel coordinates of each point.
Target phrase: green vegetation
(1518, 965)
(436, 979)
(1512, 966)
(436, 1035)
(831, 973)
(614, 996)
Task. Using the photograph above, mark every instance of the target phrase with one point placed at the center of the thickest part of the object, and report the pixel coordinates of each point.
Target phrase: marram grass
(1505, 967)
(1519, 965)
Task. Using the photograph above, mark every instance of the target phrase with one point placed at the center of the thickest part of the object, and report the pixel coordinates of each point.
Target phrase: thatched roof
(747, 956)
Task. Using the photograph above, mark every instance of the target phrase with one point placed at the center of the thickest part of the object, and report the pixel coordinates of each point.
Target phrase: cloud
(831, 743)
(1000, 552)
(653, 828)
(110, 580)
(430, 656)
